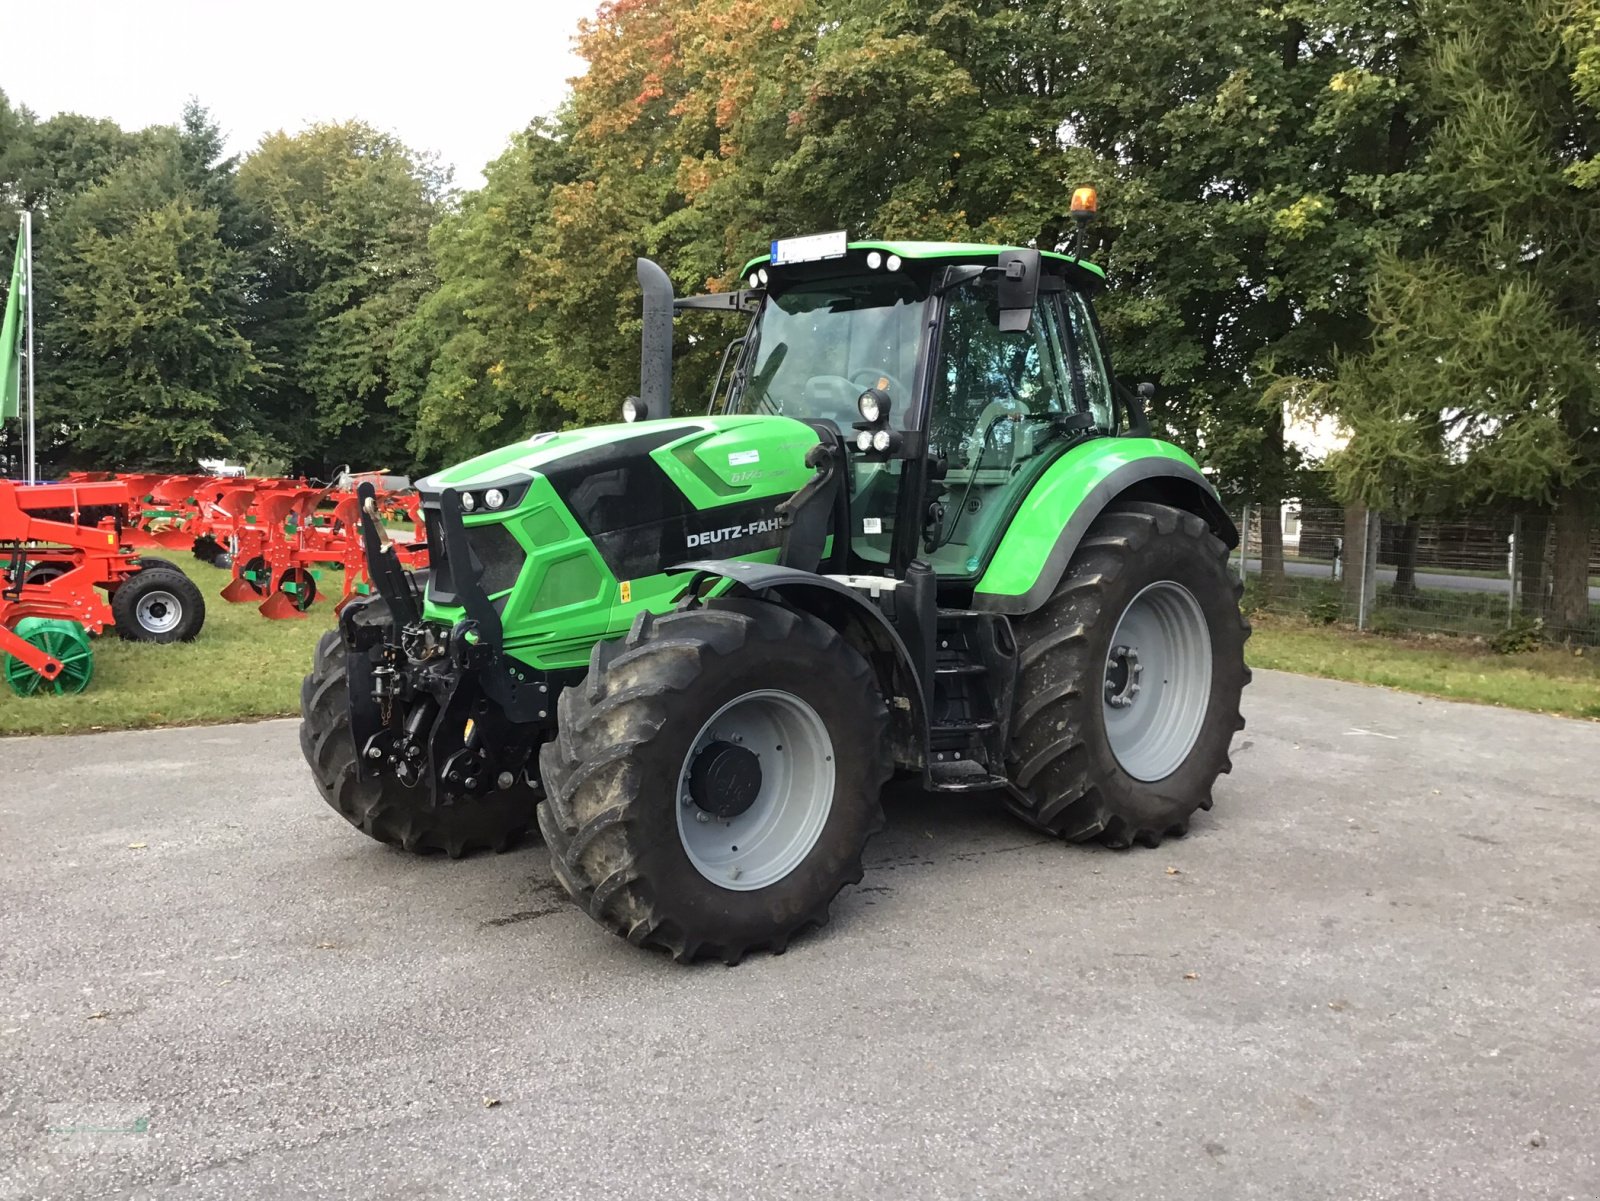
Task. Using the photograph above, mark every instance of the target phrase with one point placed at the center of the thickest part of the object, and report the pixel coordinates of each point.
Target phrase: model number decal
(729, 533)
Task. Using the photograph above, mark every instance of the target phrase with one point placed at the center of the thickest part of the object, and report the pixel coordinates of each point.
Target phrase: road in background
(1371, 972)
(1499, 585)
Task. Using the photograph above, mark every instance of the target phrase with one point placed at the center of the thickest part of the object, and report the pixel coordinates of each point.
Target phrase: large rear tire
(1129, 681)
(715, 778)
(383, 808)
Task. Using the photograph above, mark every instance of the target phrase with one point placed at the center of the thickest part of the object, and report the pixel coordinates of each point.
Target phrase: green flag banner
(11, 342)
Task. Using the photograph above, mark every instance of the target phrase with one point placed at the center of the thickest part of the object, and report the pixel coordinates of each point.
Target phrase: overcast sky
(455, 76)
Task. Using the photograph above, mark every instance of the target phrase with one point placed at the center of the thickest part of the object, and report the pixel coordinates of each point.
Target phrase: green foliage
(1482, 375)
(1522, 636)
(152, 364)
(1367, 207)
(188, 305)
(346, 212)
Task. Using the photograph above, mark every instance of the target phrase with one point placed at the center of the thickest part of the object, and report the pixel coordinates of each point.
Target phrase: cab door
(1002, 406)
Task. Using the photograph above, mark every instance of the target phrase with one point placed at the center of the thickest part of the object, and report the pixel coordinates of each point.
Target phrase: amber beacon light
(1085, 202)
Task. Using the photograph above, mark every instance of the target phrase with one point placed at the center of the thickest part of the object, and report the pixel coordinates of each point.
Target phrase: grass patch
(242, 666)
(1551, 680)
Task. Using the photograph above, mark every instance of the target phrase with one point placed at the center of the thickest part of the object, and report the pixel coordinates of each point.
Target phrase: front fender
(858, 621)
(1039, 543)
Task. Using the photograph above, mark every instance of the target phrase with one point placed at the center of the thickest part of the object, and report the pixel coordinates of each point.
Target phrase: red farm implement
(67, 570)
(292, 531)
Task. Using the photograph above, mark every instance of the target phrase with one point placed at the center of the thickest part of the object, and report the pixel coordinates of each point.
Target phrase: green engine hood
(593, 519)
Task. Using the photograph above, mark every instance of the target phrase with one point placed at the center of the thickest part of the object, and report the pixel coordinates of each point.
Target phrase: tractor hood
(570, 534)
(730, 456)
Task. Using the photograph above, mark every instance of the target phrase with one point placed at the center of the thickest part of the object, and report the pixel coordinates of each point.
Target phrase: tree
(471, 361)
(346, 211)
(1482, 376)
(154, 371)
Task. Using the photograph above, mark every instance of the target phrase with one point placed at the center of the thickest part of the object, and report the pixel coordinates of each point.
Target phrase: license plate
(810, 249)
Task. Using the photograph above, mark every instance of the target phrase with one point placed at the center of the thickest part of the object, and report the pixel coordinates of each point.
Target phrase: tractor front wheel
(383, 808)
(1129, 681)
(158, 604)
(715, 778)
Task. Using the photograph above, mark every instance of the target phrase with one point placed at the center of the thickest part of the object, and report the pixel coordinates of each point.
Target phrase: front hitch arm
(392, 581)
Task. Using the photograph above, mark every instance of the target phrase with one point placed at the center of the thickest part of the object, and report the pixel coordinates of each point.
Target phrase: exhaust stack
(655, 342)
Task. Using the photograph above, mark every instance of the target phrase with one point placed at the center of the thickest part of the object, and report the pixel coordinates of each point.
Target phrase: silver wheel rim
(1158, 681)
(159, 612)
(771, 838)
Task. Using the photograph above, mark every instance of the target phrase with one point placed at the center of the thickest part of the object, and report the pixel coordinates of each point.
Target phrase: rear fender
(1035, 550)
(858, 621)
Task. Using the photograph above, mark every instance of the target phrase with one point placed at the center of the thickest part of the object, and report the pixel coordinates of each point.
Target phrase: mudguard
(1039, 543)
(859, 622)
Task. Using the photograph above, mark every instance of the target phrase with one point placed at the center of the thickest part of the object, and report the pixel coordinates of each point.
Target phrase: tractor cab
(953, 373)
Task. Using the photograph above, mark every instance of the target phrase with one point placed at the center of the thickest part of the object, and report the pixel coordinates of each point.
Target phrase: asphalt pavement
(1373, 971)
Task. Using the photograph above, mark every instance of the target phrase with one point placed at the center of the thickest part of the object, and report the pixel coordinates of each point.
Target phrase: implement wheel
(383, 808)
(1130, 678)
(150, 563)
(299, 584)
(158, 604)
(715, 779)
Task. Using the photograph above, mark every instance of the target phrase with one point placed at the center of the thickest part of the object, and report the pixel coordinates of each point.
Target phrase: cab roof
(970, 252)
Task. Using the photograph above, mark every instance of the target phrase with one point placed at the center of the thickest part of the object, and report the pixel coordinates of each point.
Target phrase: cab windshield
(816, 347)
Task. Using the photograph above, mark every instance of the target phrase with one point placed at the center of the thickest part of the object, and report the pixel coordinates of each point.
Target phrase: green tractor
(919, 530)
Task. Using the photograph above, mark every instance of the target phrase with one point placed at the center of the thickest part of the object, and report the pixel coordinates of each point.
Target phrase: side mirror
(1018, 288)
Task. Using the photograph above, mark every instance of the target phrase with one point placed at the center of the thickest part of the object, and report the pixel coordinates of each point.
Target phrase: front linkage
(444, 710)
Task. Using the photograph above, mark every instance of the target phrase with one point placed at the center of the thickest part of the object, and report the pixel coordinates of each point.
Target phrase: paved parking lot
(1373, 972)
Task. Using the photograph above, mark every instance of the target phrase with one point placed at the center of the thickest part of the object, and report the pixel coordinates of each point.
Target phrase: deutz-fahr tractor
(918, 529)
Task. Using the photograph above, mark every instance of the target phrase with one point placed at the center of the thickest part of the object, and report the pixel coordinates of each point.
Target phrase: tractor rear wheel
(383, 808)
(158, 604)
(715, 778)
(1129, 681)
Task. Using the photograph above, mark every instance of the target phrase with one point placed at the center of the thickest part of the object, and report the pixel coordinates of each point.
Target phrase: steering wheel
(899, 394)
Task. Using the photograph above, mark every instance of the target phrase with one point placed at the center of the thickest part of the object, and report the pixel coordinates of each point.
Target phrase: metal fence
(1486, 576)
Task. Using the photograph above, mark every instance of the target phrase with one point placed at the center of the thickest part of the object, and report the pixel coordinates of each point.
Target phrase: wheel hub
(755, 789)
(1157, 681)
(725, 779)
(159, 612)
(1123, 670)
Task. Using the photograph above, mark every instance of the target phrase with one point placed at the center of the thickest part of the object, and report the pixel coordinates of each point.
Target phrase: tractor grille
(499, 552)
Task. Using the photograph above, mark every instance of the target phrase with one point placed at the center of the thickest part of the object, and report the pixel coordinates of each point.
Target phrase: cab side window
(1090, 364)
(985, 371)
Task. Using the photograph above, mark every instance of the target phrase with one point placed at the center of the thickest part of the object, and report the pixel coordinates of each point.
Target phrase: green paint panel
(569, 581)
(565, 598)
(738, 457)
(1065, 485)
